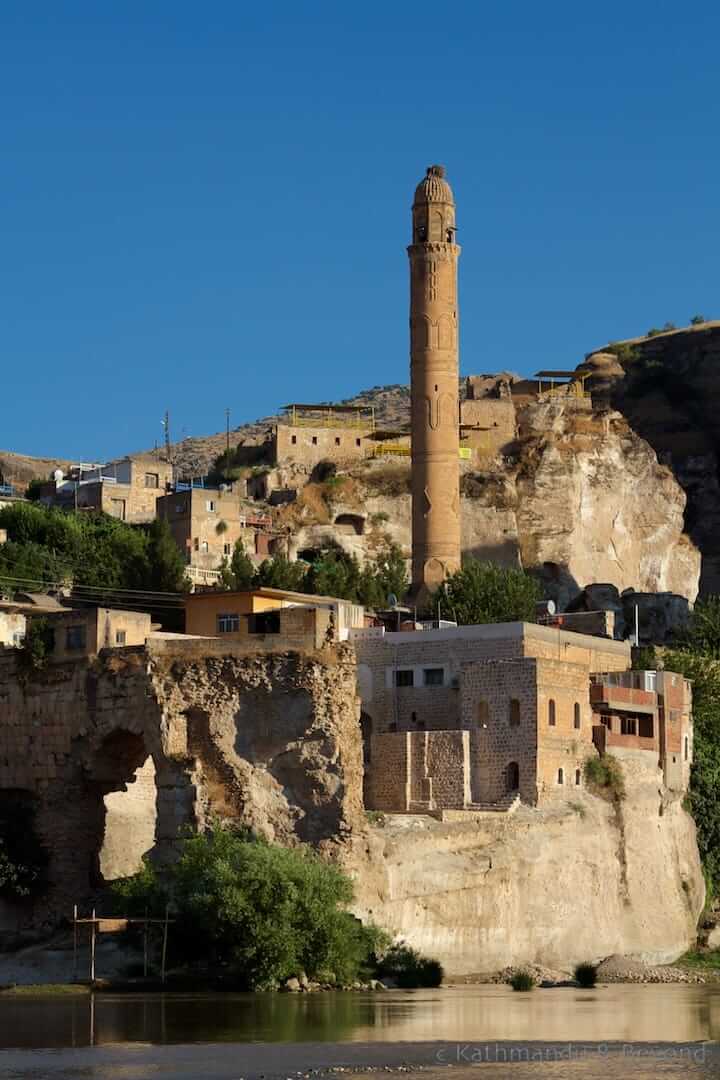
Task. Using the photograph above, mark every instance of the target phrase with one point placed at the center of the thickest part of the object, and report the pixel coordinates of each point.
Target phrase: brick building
(475, 716)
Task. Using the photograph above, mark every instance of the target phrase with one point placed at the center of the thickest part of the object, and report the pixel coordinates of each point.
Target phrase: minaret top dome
(434, 188)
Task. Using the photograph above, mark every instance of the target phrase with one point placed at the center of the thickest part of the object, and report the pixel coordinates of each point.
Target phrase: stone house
(206, 523)
(81, 632)
(464, 718)
(127, 489)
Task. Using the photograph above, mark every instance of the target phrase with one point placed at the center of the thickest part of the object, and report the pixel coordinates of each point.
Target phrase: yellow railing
(400, 449)
(465, 453)
(296, 416)
(575, 389)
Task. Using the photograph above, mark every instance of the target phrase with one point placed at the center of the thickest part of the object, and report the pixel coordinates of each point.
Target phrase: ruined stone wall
(418, 770)
(270, 740)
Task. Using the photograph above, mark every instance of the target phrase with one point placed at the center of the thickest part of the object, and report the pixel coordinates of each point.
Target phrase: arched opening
(514, 712)
(551, 712)
(577, 777)
(561, 777)
(123, 774)
(512, 777)
(482, 713)
(576, 716)
(23, 866)
(350, 524)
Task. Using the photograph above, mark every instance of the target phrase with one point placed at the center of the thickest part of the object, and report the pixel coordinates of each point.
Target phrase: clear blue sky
(207, 204)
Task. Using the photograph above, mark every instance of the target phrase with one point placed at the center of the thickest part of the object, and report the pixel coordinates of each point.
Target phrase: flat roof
(552, 374)
(504, 631)
(280, 594)
(331, 408)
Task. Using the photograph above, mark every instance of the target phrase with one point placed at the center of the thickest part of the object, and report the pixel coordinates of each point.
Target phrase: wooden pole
(164, 946)
(75, 944)
(92, 947)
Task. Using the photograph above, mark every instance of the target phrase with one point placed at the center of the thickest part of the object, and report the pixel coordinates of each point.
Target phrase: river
(611, 1032)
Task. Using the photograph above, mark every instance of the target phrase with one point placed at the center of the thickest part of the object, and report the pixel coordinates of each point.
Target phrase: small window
(152, 479)
(196, 543)
(577, 778)
(210, 506)
(433, 676)
(576, 716)
(561, 777)
(628, 725)
(514, 712)
(266, 622)
(483, 713)
(293, 439)
(180, 507)
(551, 712)
(120, 637)
(228, 624)
(314, 440)
(75, 637)
(405, 677)
(686, 748)
(337, 440)
(204, 547)
(358, 442)
(227, 549)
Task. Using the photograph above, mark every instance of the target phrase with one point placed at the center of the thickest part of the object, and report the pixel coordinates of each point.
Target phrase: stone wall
(307, 445)
(272, 741)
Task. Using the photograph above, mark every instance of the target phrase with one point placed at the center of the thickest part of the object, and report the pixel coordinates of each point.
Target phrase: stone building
(206, 523)
(475, 717)
(309, 434)
(127, 489)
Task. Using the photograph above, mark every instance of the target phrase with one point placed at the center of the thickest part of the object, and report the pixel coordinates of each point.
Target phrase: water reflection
(622, 1013)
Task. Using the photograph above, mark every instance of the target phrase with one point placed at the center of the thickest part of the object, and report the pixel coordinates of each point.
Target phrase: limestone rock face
(553, 887)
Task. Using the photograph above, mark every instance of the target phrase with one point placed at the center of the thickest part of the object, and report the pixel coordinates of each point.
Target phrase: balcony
(622, 698)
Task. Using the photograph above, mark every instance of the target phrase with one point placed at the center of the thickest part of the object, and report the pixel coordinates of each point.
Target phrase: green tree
(697, 320)
(333, 573)
(268, 912)
(280, 573)
(703, 632)
(482, 592)
(167, 569)
(241, 568)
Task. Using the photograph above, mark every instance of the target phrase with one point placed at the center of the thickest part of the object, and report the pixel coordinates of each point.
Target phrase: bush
(586, 975)
(267, 912)
(37, 646)
(482, 592)
(697, 320)
(409, 969)
(522, 981)
(605, 775)
(653, 331)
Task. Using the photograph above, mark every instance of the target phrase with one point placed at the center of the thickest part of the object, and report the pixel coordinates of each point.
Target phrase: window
(628, 725)
(227, 549)
(686, 748)
(180, 507)
(120, 637)
(405, 677)
(337, 440)
(210, 506)
(514, 712)
(204, 547)
(433, 676)
(228, 624)
(266, 622)
(314, 440)
(358, 442)
(551, 712)
(196, 544)
(576, 718)
(75, 637)
(293, 439)
(483, 712)
(512, 776)
(152, 479)
(577, 778)
(561, 777)
(117, 509)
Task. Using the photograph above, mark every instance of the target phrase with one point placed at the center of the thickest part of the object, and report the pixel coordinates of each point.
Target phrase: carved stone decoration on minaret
(434, 385)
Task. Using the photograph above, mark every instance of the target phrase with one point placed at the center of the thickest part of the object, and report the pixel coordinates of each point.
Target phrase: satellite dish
(392, 600)
(58, 476)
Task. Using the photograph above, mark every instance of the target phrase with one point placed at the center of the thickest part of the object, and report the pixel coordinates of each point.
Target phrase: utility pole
(166, 426)
(227, 430)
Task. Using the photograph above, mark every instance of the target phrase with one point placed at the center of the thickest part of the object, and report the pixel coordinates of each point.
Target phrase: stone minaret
(434, 385)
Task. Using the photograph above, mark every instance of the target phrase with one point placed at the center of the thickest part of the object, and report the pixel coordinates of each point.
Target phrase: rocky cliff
(557, 886)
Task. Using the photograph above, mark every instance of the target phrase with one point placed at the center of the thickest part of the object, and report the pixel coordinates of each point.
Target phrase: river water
(469, 1028)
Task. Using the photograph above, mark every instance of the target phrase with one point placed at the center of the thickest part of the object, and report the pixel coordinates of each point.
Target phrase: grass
(45, 990)
(522, 981)
(604, 774)
(375, 817)
(586, 975)
(707, 960)
(578, 808)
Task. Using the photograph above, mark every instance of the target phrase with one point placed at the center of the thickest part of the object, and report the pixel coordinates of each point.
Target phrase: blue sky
(207, 205)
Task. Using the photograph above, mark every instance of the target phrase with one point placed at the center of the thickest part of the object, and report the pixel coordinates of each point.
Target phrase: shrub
(697, 320)
(522, 981)
(268, 912)
(605, 775)
(653, 331)
(586, 975)
(669, 326)
(37, 646)
(409, 969)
